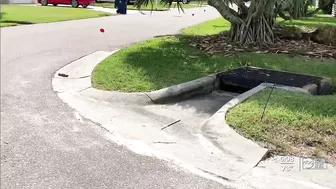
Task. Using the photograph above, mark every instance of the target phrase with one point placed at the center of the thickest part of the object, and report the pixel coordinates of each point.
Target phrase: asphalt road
(43, 143)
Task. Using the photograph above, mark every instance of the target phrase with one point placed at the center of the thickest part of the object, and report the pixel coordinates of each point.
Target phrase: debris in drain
(170, 124)
(63, 75)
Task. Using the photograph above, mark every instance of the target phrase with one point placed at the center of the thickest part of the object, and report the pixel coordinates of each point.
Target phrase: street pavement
(44, 143)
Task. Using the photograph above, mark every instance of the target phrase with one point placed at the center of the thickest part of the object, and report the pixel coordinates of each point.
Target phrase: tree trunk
(253, 24)
(253, 30)
(299, 9)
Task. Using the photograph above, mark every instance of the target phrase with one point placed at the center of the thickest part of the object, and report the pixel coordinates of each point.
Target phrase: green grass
(199, 2)
(160, 7)
(311, 22)
(12, 15)
(293, 124)
(208, 28)
(218, 25)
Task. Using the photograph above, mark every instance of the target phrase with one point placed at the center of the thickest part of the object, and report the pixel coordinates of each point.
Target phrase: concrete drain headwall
(241, 80)
(246, 78)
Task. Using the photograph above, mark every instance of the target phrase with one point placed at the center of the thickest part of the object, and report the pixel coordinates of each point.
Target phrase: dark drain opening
(242, 79)
(232, 88)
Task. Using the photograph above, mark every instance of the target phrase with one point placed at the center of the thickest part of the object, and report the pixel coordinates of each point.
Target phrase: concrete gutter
(127, 110)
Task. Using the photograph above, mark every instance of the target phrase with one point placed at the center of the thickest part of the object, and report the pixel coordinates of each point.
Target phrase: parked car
(73, 3)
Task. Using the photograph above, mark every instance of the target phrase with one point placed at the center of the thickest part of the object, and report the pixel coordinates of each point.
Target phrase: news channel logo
(313, 163)
(290, 163)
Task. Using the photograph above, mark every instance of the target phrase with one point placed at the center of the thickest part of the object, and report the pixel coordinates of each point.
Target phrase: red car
(73, 3)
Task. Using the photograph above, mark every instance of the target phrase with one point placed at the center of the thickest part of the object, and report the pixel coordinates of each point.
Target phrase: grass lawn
(12, 15)
(160, 7)
(208, 28)
(294, 123)
(311, 22)
(198, 2)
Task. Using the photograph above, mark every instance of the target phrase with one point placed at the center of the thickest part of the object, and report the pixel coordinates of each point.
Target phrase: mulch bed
(220, 44)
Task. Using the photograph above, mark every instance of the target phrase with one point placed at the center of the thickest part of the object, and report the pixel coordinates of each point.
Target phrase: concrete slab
(133, 117)
(65, 85)
(181, 142)
(192, 133)
(117, 97)
(291, 172)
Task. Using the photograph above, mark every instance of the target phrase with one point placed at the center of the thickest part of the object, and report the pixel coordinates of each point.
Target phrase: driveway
(45, 143)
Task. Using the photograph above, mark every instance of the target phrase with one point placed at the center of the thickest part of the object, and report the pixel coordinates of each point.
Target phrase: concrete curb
(324, 86)
(184, 90)
(216, 129)
(78, 72)
(210, 83)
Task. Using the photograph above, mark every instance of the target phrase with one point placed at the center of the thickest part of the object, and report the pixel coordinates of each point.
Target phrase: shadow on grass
(171, 60)
(168, 62)
(16, 22)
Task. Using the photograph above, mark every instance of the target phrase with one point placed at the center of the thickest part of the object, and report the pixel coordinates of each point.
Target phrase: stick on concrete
(170, 124)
